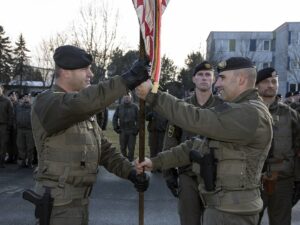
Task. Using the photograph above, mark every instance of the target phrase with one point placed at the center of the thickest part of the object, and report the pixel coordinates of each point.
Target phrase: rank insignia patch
(171, 130)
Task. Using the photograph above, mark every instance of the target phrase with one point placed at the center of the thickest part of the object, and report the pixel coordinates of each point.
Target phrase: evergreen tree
(168, 72)
(21, 60)
(185, 75)
(5, 57)
(120, 62)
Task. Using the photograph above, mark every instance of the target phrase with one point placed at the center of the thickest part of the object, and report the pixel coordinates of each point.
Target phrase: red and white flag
(149, 13)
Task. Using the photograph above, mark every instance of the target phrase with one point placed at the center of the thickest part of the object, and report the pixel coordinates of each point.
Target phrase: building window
(223, 46)
(232, 45)
(266, 64)
(298, 38)
(295, 65)
(290, 37)
(292, 87)
(288, 63)
(267, 45)
(252, 45)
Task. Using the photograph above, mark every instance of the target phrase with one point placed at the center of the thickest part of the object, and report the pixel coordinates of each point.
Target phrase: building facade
(279, 48)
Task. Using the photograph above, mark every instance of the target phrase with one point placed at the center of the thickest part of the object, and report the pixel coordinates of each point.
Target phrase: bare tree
(96, 31)
(44, 60)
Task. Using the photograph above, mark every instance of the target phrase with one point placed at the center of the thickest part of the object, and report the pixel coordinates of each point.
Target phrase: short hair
(251, 74)
(57, 71)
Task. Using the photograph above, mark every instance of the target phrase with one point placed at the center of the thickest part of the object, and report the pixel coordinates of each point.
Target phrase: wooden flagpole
(142, 55)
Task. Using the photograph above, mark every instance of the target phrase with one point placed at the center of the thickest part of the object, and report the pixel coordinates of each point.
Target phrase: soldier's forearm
(175, 157)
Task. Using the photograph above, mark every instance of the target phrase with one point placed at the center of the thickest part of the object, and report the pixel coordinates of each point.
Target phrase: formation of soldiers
(226, 156)
(219, 147)
(17, 144)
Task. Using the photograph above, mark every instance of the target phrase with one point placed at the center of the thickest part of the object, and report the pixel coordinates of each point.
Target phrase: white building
(279, 48)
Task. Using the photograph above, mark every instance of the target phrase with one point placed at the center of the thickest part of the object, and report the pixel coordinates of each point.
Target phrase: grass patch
(113, 138)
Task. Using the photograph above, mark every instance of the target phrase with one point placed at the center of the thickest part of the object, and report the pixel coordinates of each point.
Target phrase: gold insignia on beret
(222, 65)
(171, 131)
(207, 66)
(274, 74)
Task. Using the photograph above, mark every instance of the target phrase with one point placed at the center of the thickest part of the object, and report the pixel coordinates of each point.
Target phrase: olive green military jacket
(126, 118)
(6, 111)
(283, 156)
(175, 135)
(65, 122)
(240, 133)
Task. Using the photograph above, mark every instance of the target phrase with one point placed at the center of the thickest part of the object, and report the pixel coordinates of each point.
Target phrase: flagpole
(142, 55)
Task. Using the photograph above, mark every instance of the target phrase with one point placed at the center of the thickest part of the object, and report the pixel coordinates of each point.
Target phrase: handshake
(138, 177)
(140, 181)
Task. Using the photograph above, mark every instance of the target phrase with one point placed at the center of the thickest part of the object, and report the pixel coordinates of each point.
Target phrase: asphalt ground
(114, 201)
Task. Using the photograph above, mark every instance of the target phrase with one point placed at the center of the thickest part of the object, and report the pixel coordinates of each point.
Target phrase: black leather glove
(117, 129)
(140, 181)
(296, 194)
(138, 73)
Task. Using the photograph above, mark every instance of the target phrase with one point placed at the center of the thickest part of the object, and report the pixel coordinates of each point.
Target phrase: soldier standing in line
(190, 207)
(25, 142)
(6, 123)
(237, 136)
(296, 101)
(102, 119)
(156, 128)
(126, 124)
(69, 142)
(281, 175)
(288, 98)
(13, 149)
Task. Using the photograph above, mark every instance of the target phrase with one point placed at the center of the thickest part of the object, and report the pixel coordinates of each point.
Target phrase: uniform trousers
(216, 217)
(74, 213)
(127, 141)
(279, 204)
(25, 144)
(156, 140)
(4, 139)
(13, 149)
(190, 207)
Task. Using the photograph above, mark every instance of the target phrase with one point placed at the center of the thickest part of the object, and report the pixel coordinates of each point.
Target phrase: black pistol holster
(43, 204)
(207, 168)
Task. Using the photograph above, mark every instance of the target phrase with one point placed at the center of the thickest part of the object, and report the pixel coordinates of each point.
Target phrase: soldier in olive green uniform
(12, 149)
(237, 138)
(156, 128)
(126, 124)
(69, 142)
(190, 207)
(25, 140)
(6, 123)
(281, 171)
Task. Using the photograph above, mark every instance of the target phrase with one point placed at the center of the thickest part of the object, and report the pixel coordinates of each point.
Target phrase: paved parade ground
(113, 201)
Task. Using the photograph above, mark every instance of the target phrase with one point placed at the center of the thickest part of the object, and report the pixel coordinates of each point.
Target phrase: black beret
(265, 73)
(235, 63)
(205, 65)
(289, 94)
(71, 58)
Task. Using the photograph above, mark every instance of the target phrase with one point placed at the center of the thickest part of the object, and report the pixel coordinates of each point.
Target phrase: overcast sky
(185, 24)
